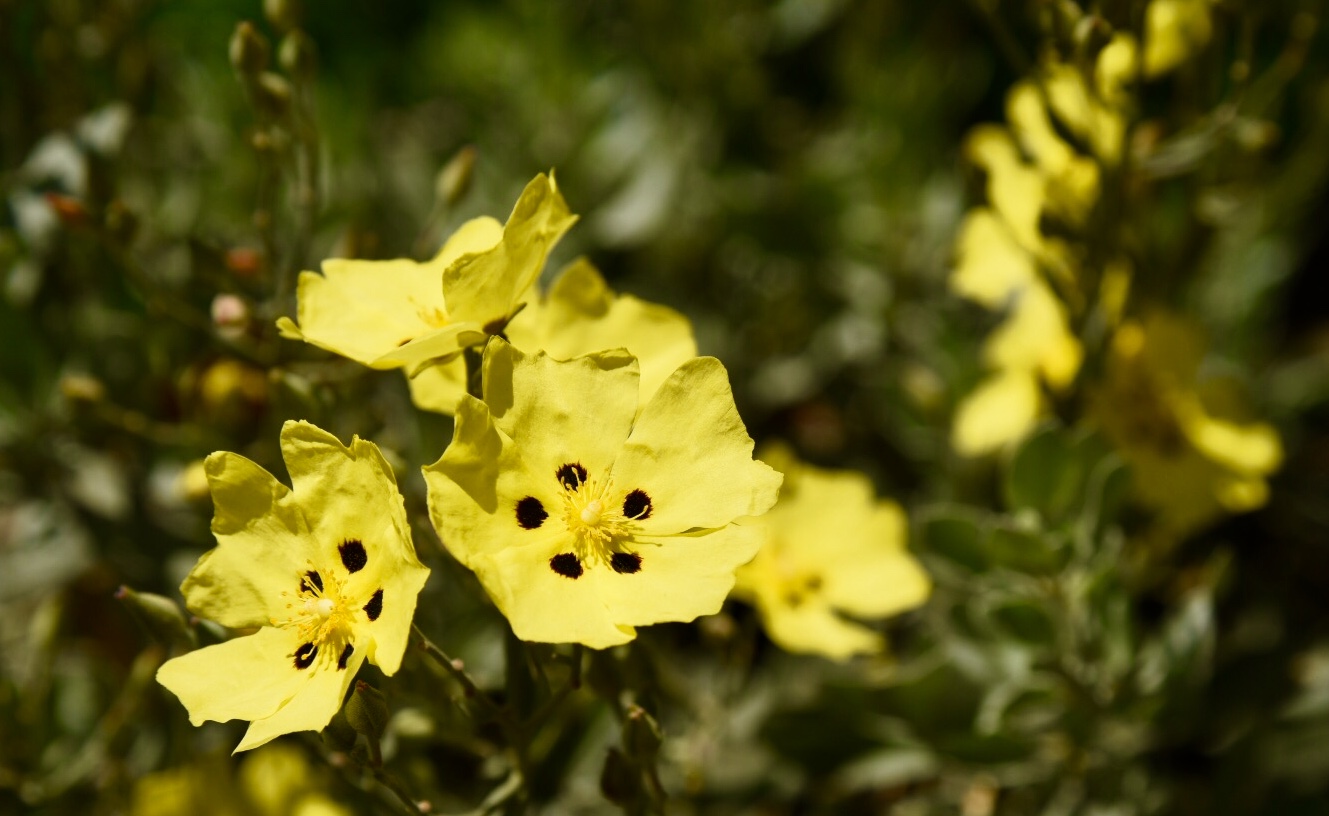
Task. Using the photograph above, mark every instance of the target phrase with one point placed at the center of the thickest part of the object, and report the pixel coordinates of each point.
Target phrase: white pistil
(320, 615)
(590, 514)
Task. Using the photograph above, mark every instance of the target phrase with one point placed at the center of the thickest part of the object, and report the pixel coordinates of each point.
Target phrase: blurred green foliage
(788, 175)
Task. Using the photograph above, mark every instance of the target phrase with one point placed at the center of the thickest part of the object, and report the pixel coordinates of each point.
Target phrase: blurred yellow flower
(1192, 456)
(403, 314)
(579, 314)
(585, 514)
(276, 780)
(830, 549)
(325, 570)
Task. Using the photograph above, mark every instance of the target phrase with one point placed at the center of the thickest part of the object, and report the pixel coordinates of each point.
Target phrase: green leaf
(957, 537)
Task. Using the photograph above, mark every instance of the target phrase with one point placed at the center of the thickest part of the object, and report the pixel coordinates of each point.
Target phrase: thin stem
(390, 782)
(458, 672)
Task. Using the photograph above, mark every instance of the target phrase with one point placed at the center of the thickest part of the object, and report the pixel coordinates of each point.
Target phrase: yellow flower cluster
(1025, 255)
(600, 480)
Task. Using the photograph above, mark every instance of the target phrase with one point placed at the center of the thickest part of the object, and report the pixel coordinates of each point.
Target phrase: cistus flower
(579, 314)
(403, 314)
(326, 572)
(831, 553)
(585, 516)
(1193, 454)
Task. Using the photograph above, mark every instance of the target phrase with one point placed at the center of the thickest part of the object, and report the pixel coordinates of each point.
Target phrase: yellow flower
(830, 549)
(325, 570)
(403, 314)
(1193, 459)
(580, 314)
(273, 781)
(584, 516)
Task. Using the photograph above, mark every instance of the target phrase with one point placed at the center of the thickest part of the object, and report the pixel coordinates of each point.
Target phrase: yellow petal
(309, 710)
(365, 309)
(350, 494)
(990, 264)
(1016, 191)
(557, 412)
(1078, 108)
(582, 315)
(246, 678)
(262, 541)
(546, 607)
(1002, 409)
(1174, 31)
(813, 627)
(1252, 449)
(486, 286)
(1036, 335)
(475, 486)
(681, 578)
(439, 387)
(1116, 69)
(691, 454)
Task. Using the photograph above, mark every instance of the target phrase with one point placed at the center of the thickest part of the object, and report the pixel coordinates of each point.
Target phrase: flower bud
(283, 14)
(272, 95)
(249, 49)
(454, 180)
(641, 735)
(367, 711)
(82, 388)
(162, 617)
(297, 55)
(230, 314)
(338, 733)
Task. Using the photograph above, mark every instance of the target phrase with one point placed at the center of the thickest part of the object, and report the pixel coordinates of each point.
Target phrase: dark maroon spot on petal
(637, 505)
(375, 606)
(345, 656)
(531, 513)
(311, 580)
(353, 555)
(304, 656)
(571, 475)
(625, 563)
(566, 564)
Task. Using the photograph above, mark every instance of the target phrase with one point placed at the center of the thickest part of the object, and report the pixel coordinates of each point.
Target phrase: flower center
(321, 616)
(593, 520)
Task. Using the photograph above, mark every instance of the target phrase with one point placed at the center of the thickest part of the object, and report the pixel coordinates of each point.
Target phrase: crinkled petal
(310, 710)
(1002, 409)
(691, 454)
(681, 577)
(444, 342)
(475, 486)
(262, 543)
(560, 412)
(485, 287)
(582, 315)
(246, 678)
(364, 309)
